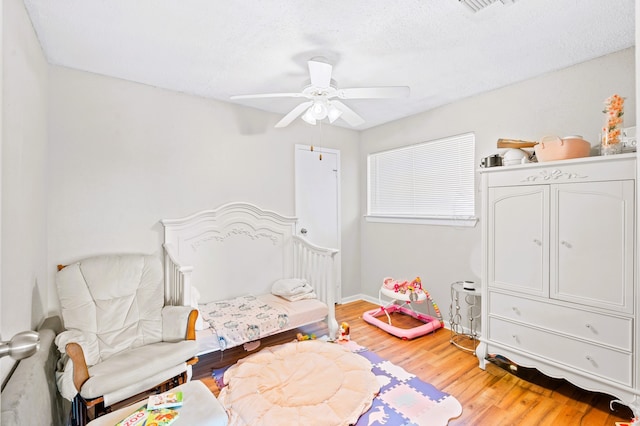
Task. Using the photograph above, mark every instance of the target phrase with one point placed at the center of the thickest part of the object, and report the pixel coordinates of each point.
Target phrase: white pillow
(296, 297)
(291, 287)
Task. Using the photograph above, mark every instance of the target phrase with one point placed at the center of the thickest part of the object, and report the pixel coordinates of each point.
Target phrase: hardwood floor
(492, 397)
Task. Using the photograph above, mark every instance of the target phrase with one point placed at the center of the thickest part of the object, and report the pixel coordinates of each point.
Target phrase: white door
(317, 192)
(6, 363)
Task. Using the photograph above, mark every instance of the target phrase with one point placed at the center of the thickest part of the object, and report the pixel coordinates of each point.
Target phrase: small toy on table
(170, 399)
(143, 416)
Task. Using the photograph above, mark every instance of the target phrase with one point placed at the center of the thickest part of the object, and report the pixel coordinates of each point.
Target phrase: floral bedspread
(242, 319)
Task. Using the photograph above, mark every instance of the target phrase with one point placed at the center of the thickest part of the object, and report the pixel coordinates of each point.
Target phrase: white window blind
(429, 180)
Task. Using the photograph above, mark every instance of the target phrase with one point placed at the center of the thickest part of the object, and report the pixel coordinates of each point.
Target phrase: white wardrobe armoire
(559, 263)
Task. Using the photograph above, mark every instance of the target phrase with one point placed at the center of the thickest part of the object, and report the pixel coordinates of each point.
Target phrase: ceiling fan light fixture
(334, 113)
(308, 116)
(319, 110)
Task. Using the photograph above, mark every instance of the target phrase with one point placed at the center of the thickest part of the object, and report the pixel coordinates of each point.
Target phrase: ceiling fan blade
(320, 73)
(293, 114)
(270, 95)
(374, 92)
(348, 114)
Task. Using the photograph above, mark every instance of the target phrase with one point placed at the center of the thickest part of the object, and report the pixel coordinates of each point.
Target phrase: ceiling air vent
(477, 5)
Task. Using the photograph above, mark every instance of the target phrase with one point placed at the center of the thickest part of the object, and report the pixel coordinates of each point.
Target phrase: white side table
(464, 339)
(200, 408)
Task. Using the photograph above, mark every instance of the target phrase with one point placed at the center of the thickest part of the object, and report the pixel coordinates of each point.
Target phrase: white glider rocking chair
(120, 340)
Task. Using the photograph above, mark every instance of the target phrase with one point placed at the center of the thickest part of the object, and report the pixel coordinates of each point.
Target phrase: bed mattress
(299, 313)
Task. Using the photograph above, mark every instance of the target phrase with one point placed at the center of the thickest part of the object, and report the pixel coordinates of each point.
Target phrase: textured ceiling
(439, 48)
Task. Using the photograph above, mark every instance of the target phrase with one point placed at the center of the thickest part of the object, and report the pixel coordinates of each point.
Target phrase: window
(431, 182)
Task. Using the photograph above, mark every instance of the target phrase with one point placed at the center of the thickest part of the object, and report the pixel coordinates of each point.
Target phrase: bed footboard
(177, 279)
(317, 265)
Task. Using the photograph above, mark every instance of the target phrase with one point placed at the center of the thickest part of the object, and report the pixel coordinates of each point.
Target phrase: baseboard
(360, 296)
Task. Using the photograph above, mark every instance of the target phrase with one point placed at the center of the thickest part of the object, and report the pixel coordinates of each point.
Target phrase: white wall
(565, 102)
(125, 155)
(23, 183)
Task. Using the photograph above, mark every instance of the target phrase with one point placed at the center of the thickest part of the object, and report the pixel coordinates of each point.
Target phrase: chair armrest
(80, 369)
(191, 327)
(179, 323)
(72, 371)
(79, 350)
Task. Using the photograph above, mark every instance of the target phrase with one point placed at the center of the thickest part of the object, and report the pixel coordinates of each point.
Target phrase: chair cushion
(135, 365)
(115, 300)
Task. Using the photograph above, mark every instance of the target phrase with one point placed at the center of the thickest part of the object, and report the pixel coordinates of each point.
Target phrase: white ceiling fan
(324, 98)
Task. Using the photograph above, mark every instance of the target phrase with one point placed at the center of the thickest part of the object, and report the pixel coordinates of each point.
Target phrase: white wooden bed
(239, 249)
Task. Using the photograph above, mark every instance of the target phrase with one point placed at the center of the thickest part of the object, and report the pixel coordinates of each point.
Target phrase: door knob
(303, 231)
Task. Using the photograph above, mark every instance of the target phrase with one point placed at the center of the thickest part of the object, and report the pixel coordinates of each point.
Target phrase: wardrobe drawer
(606, 363)
(581, 324)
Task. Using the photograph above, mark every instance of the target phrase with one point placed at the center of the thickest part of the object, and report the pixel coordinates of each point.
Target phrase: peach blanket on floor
(299, 383)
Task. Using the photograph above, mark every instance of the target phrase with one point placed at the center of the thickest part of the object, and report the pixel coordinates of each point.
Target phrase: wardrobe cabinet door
(518, 229)
(592, 244)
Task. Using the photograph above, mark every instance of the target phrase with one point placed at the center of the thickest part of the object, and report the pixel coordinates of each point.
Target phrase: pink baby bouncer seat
(402, 295)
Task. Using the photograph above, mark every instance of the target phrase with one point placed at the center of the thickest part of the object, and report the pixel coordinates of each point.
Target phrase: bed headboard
(238, 249)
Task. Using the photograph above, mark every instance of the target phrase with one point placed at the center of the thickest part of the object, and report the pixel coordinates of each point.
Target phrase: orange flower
(614, 109)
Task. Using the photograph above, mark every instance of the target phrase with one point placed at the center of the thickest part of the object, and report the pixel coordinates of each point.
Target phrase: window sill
(466, 223)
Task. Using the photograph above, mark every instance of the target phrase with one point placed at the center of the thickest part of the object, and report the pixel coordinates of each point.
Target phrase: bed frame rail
(317, 265)
(177, 280)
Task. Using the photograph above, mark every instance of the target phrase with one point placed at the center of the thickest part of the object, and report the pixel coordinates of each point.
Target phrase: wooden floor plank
(488, 397)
